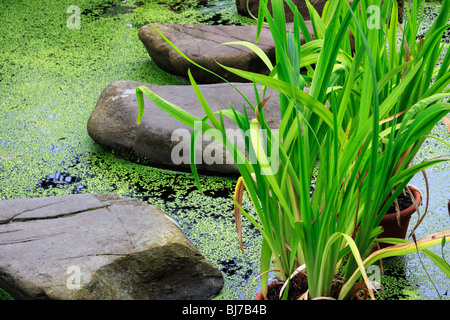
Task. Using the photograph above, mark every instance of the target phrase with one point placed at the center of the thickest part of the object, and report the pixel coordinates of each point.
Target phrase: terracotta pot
(390, 227)
(272, 285)
(260, 295)
(389, 221)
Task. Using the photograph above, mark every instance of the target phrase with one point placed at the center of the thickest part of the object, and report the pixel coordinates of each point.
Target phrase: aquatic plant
(367, 113)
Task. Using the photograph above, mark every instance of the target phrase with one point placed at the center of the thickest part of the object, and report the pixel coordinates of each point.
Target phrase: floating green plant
(51, 78)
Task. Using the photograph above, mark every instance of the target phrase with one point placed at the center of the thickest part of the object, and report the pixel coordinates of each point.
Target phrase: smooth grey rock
(113, 124)
(319, 5)
(253, 5)
(203, 45)
(98, 246)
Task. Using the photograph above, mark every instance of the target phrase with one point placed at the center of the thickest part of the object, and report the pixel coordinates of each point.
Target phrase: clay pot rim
(405, 212)
(273, 284)
(411, 209)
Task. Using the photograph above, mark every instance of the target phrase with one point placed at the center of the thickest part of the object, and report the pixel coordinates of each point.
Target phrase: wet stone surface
(122, 248)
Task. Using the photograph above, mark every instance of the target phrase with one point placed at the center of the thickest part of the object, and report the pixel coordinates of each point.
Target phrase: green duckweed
(50, 79)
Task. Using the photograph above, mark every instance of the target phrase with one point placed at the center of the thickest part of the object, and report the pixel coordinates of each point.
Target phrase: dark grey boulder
(162, 141)
(253, 5)
(98, 246)
(203, 45)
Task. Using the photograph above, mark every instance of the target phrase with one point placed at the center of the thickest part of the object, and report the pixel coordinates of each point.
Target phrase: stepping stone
(98, 246)
(253, 5)
(203, 45)
(162, 141)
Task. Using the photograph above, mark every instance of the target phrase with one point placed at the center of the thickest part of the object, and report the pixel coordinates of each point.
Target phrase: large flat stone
(251, 7)
(98, 246)
(113, 124)
(203, 45)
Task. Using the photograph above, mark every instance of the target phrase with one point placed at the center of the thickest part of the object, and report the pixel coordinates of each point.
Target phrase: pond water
(50, 79)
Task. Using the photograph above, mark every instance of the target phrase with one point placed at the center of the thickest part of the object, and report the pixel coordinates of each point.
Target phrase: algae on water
(50, 79)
